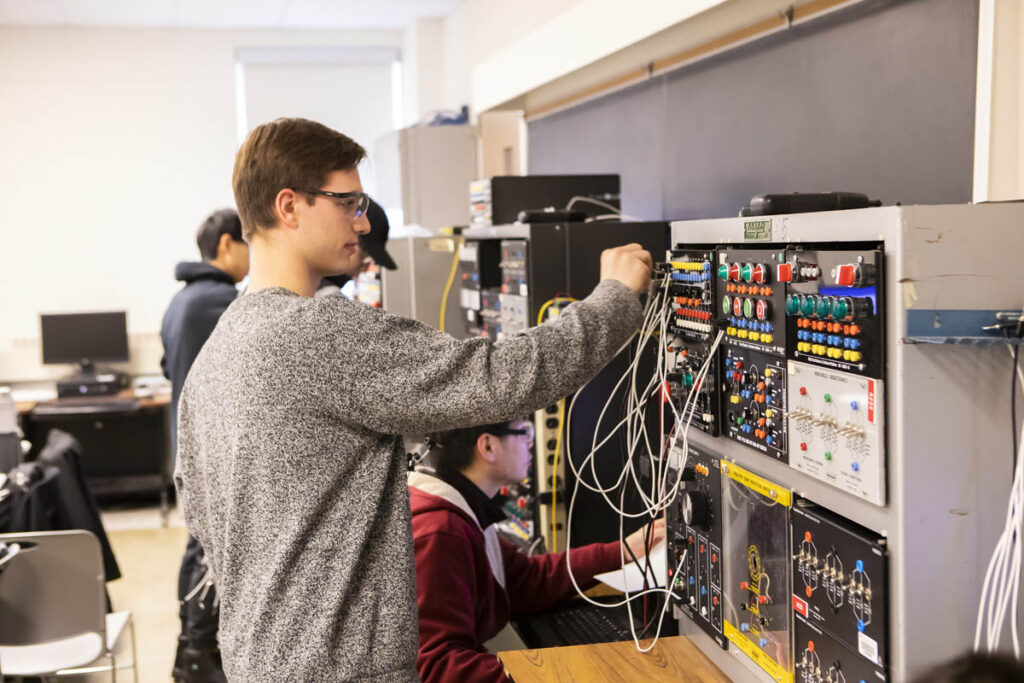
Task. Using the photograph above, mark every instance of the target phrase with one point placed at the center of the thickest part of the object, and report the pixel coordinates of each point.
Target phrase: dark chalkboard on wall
(878, 98)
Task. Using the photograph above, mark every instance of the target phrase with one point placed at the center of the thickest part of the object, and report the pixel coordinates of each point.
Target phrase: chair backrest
(53, 588)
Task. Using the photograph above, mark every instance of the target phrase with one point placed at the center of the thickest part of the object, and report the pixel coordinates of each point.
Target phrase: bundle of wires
(1000, 593)
(663, 487)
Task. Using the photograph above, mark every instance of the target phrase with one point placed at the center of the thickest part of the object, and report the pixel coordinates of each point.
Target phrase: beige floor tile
(149, 559)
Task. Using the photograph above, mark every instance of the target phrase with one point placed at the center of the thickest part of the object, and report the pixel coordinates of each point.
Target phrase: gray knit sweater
(291, 470)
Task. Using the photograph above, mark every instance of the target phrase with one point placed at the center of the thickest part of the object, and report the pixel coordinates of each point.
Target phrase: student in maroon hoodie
(470, 582)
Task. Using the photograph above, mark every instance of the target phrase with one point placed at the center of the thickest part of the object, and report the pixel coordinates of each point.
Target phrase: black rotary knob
(696, 509)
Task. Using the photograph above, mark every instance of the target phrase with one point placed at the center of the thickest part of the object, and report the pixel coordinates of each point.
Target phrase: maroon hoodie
(462, 602)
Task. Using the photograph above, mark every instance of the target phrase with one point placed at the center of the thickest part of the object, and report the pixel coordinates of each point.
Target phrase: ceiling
(268, 14)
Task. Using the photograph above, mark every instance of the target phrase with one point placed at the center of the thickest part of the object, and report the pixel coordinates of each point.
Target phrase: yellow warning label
(759, 656)
(773, 492)
(441, 244)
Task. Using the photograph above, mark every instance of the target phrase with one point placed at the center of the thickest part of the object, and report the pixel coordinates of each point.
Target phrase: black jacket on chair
(29, 498)
(77, 508)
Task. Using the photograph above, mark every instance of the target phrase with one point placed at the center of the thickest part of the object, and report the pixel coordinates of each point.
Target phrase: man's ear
(483, 444)
(223, 246)
(285, 204)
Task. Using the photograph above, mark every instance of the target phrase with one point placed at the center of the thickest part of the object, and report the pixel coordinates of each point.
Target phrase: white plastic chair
(53, 619)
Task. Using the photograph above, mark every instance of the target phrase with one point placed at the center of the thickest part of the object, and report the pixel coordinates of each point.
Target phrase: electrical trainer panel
(690, 336)
(758, 616)
(799, 377)
(840, 585)
(800, 374)
(694, 530)
(856, 359)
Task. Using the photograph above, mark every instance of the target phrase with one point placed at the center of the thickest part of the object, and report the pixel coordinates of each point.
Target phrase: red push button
(784, 272)
(846, 275)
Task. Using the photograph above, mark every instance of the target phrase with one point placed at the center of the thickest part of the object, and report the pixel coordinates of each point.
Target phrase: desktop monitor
(84, 338)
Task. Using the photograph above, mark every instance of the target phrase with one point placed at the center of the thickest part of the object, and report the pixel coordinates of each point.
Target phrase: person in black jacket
(189, 321)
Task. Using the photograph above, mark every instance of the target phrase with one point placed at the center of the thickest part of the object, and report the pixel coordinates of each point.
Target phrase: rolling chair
(53, 619)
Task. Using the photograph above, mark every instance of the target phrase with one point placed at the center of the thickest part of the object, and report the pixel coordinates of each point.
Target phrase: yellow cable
(561, 424)
(451, 279)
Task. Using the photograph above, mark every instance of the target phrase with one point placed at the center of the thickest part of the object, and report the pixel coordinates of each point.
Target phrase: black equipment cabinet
(125, 450)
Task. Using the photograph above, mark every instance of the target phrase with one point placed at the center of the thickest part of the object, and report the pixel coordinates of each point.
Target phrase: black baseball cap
(375, 241)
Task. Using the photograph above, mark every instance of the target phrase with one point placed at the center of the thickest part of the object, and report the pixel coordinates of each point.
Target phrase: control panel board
(757, 558)
(754, 401)
(840, 581)
(694, 529)
(837, 429)
(690, 337)
(835, 308)
(820, 658)
(752, 303)
(478, 274)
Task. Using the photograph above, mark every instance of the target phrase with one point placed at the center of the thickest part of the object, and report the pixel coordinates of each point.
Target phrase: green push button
(828, 398)
(828, 455)
(823, 307)
(688, 379)
(723, 271)
(726, 305)
(747, 273)
(806, 305)
(748, 308)
(792, 304)
(840, 309)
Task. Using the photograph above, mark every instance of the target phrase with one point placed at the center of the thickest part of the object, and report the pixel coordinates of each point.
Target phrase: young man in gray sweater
(291, 468)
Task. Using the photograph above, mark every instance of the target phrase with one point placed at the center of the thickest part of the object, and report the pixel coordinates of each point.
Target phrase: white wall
(478, 29)
(422, 69)
(999, 121)
(355, 99)
(114, 145)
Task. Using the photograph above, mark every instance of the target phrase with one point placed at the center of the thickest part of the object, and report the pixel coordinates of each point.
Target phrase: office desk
(160, 400)
(123, 451)
(672, 659)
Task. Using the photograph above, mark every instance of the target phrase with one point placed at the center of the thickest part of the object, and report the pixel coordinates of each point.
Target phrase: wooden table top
(672, 659)
(161, 399)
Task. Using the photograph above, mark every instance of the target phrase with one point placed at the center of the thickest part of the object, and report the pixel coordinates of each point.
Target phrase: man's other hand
(635, 541)
(629, 264)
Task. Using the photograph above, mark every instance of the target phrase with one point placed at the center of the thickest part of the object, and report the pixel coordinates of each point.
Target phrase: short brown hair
(290, 152)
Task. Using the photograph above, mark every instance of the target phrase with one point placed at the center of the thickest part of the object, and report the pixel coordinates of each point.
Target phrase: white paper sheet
(634, 580)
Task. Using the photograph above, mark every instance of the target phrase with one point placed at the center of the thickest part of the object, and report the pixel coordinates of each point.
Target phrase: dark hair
(455, 447)
(223, 222)
(293, 153)
(976, 667)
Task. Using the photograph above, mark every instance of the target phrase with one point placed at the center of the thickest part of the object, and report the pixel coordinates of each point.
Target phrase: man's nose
(362, 225)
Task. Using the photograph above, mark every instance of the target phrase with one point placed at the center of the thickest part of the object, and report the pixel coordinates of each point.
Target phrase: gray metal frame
(949, 455)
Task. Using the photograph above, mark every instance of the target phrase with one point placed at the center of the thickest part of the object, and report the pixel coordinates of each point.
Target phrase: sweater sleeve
(447, 596)
(535, 584)
(400, 376)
